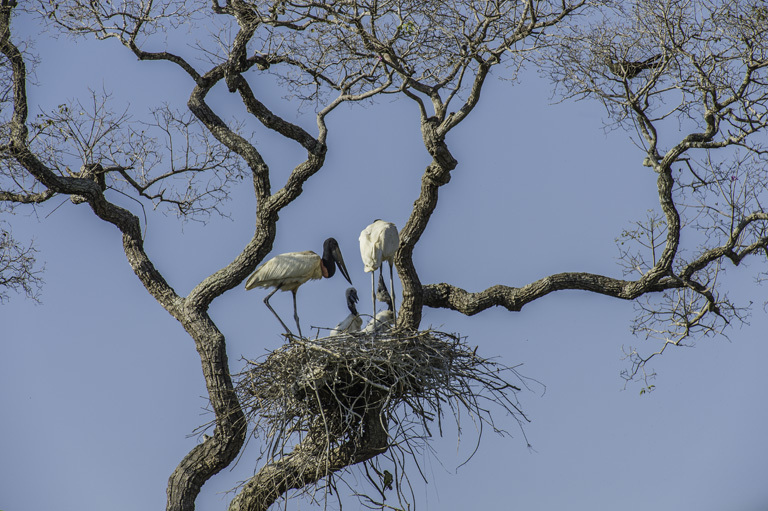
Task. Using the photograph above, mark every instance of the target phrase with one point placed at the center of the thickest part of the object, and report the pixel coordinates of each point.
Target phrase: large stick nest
(319, 392)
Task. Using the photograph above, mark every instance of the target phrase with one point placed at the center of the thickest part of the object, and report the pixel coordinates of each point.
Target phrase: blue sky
(102, 389)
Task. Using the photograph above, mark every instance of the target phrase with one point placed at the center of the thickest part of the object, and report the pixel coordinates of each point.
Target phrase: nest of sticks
(320, 394)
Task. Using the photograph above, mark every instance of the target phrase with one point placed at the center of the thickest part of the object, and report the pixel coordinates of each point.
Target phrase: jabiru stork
(287, 272)
(378, 243)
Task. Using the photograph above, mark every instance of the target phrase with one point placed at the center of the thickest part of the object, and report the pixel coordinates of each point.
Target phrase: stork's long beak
(340, 261)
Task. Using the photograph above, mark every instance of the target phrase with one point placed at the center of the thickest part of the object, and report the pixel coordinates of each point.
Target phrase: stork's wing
(390, 241)
(384, 321)
(286, 271)
(351, 323)
(378, 242)
(368, 251)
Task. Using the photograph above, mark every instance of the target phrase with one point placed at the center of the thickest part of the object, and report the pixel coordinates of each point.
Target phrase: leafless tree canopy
(18, 269)
(687, 79)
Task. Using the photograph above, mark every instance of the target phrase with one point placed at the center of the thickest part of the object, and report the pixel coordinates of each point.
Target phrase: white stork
(287, 272)
(378, 243)
(353, 322)
(385, 319)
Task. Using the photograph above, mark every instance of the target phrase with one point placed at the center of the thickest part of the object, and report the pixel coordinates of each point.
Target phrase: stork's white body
(287, 271)
(351, 323)
(383, 322)
(378, 243)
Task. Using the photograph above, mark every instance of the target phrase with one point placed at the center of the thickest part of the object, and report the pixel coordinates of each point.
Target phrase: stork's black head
(332, 257)
(352, 299)
(382, 294)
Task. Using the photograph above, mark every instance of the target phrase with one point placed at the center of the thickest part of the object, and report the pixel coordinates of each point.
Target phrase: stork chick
(353, 322)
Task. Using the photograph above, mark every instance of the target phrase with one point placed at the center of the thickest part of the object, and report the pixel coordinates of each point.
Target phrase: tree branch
(304, 466)
(514, 299)
(27, 198)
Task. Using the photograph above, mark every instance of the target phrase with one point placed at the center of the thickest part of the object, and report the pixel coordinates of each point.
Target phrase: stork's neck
(328, 267)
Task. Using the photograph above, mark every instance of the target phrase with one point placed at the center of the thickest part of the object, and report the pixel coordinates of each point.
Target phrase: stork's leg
(392, 289)
(296, 313)
(373, 297)
(266, 302)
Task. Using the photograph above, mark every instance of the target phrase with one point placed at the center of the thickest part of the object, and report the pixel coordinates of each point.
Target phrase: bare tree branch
(18, 267)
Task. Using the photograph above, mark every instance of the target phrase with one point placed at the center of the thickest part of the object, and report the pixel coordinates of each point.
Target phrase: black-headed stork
(287, 272)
